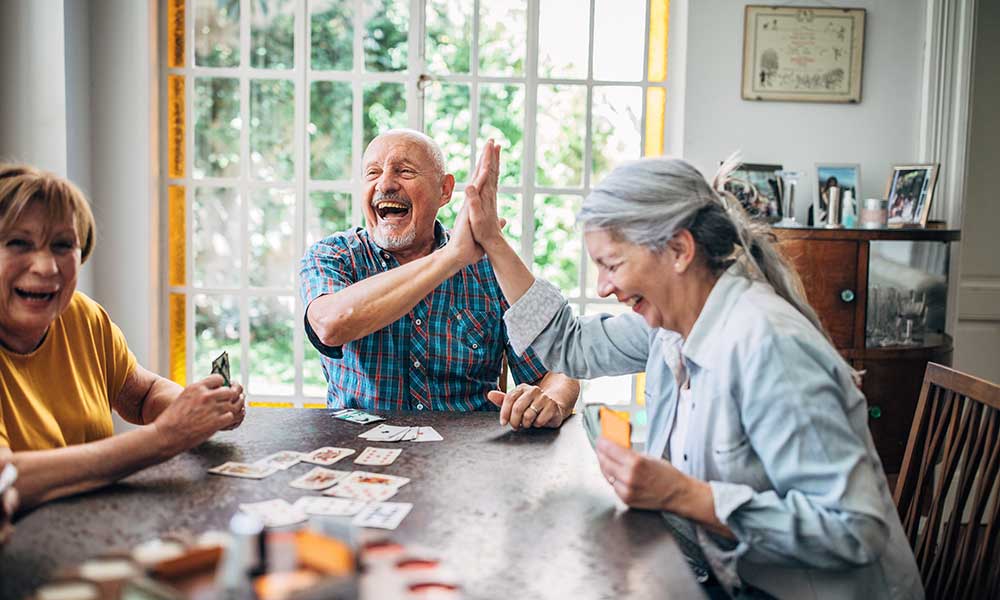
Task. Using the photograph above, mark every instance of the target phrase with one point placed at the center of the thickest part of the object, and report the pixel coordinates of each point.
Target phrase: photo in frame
(910, 190)
(845, 176)
(758, 188)
(803, 54)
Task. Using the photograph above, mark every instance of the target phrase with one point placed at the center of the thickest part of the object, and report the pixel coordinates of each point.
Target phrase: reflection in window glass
(330, 130)
(563, 38)
(560, 135)
(331, 28)
(617, 128)
(449, 35)
(385, 108)
(501, 117)
(272, 34)
(503, 37)
(217, 127)
(558, 245)
(216, 330)
(619, 38)
(387, 26)
(217, 237)
(326, 214)
(313, 381)
(216, 33)
(272, 256)
(272, 135)
(607, 390)
(272, 362)
(447, 117)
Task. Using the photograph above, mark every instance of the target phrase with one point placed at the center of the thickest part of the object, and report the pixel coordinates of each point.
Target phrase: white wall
(977, 336)
(879, 131)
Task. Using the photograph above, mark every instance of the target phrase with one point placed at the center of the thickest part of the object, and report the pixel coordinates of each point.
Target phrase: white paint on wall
(880, 130)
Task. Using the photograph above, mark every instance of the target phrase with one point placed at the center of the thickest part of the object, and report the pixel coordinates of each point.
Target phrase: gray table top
(517, 514)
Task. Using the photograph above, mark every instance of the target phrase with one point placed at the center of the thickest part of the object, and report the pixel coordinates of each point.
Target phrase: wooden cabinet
(834, 267)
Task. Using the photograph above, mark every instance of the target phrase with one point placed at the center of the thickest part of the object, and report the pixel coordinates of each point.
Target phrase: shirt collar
(710, 325)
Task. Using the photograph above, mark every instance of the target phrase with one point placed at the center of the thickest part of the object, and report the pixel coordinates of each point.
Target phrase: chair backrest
(947, 490)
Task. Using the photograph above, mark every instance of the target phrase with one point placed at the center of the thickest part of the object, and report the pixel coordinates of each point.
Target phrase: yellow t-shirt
(61, 393)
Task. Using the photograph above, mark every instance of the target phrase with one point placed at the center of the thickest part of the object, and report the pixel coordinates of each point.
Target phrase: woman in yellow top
(64, 365)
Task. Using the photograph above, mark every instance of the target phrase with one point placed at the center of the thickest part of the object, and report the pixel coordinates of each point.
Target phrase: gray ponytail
(648, 201)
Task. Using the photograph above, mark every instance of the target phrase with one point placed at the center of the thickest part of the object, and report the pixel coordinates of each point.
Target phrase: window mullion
(415, 66)
(530, 127)
(244, 191)
(588, 144)
(474, 90)
(301, 71)
(357, 134)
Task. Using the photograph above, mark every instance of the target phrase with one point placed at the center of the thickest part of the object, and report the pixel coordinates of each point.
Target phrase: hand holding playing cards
(200, 410)
(642, 481)
(527, 406)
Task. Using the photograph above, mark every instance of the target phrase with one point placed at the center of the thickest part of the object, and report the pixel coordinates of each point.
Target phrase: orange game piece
(615, 427)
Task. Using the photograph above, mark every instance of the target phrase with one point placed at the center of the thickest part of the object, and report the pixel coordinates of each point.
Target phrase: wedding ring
(533, 408)
(611, 479)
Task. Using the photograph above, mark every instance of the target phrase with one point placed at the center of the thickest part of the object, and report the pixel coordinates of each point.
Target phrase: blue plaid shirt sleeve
(327, 267)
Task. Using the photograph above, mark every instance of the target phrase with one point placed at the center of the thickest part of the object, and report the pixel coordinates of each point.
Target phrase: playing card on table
(238, 469)
(385, 433)
(329, 507)
(366, 478)
(282, 460)
(220, 366)
(368, 492)
(376, 456)
(327, 455)
(318, 479)
(383, 515)
(428, 434)
(275, 513)
(357, 416)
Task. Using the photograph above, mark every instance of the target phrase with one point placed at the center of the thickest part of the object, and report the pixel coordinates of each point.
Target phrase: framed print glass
(803, 54)
(758, 188)
(909, 191)
(847, 177)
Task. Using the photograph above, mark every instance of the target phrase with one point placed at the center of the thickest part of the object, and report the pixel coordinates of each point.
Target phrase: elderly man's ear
(447, 188)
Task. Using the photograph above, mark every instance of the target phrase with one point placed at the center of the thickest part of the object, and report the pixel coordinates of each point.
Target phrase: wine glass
(911, 308)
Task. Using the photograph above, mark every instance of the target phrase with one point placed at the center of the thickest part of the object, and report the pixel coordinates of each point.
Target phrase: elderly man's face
(39, 264)
(403, 191)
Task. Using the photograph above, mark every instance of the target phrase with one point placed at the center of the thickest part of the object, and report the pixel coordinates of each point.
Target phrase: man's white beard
(394, 242)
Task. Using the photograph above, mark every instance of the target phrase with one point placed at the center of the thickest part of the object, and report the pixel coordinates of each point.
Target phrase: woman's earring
(677, 267)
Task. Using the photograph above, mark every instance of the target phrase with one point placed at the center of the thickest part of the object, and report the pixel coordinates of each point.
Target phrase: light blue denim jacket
(778, 430)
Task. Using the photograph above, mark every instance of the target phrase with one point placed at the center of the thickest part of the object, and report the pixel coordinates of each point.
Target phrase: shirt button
(416, 364)
(458, 316)
(418, 321)
(475, 346)
(385, 255)
(420, 407)
(383, 263)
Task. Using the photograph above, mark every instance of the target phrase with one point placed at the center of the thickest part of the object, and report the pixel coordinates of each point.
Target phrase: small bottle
(850, 209)
(833, 210)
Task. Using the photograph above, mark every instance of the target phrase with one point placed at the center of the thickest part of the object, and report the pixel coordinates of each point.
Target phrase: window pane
(217, 237)
(557, 246)
(617, 128)
(619, 37)
(447, 117)
(560, 134)
(510, 209)
(272, 135)
(216, 329)
(272, 34)
(331, 25)
(313, 382)
(449, 35)
(385, 108)
(501, 117)
(386, 34)
(503, 37)
(217, 33)
(563, 39)
(327, 213)
(272, 362)
(272, 257)
(608, 390)
(330, 129)
(217, 127)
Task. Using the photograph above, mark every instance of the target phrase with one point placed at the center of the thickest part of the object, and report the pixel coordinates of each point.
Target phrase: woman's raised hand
(481, 198)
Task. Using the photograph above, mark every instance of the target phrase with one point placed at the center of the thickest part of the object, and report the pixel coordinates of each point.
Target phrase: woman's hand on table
(200, 410)
(527, 406)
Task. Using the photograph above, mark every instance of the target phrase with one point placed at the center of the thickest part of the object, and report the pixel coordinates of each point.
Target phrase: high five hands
(478, 227)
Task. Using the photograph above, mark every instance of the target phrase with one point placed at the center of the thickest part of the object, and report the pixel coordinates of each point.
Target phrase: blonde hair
(20, 185)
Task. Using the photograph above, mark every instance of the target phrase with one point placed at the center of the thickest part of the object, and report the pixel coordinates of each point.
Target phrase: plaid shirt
(445, 354)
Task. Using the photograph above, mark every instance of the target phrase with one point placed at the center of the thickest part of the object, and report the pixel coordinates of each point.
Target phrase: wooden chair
(947, 493)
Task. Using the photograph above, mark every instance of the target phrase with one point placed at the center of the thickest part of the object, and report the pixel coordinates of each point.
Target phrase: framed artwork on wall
(910, 190)
(803, 54)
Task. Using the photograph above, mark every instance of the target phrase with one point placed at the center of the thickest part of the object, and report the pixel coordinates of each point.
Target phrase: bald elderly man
(401, 319)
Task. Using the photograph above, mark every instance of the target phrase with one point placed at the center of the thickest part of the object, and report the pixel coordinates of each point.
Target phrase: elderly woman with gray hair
(758, 437)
